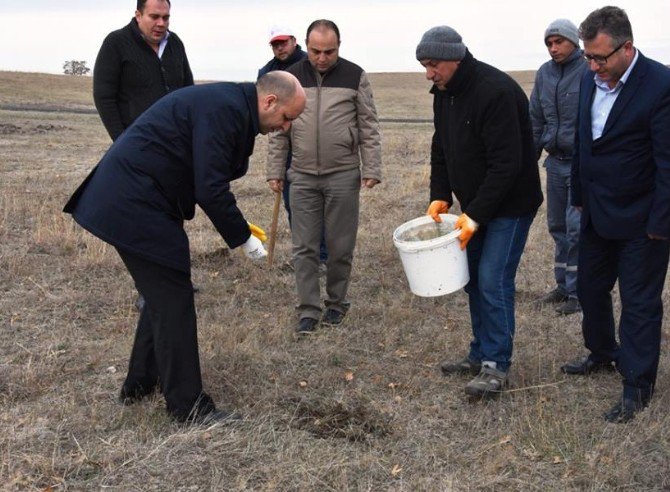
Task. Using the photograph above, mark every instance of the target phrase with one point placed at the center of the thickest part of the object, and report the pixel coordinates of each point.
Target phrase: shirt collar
(624, 78)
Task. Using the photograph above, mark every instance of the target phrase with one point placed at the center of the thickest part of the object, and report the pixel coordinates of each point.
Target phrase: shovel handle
(273, 227)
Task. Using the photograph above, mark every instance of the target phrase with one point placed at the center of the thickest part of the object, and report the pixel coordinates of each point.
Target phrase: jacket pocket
(353, 132)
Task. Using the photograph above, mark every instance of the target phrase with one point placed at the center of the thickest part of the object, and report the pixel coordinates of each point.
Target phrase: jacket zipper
(558, 111)
(319, 79)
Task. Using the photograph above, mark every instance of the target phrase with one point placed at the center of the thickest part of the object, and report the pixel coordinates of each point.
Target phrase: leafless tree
(75, 67)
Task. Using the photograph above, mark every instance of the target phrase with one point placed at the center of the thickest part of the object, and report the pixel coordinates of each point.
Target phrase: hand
(276, 185)
(253, 248)
(258, 232)
(468, 228)
(657, 237)
(369, 182)
(436, 208)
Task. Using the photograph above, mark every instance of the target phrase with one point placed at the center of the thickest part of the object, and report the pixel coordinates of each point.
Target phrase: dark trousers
(640, 265)
(166, 343)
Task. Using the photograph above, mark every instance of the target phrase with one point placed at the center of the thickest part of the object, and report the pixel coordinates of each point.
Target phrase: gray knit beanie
(441, 43)
(565, 28)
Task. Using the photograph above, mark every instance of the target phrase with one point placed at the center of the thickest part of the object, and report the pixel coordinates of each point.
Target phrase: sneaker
(571, 306)
(463, 366)
(332, 318)
(306, 326)
(556, 296)
(488, 381)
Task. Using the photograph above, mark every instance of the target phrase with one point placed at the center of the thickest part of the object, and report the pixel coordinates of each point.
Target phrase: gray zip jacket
(338, 129)
(553, 105)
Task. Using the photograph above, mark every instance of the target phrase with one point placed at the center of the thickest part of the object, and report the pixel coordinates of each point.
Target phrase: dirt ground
(359, 407)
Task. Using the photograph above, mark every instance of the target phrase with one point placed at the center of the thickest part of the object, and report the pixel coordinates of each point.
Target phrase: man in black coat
(137, 65)
(483, 154)
(185, 150)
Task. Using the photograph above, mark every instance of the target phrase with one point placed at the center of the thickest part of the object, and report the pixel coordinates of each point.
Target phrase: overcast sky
(228, 40)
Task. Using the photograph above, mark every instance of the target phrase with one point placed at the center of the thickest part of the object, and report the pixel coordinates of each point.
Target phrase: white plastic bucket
(434, 267)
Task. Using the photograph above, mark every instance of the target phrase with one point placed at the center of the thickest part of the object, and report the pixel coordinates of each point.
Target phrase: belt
(561, 157)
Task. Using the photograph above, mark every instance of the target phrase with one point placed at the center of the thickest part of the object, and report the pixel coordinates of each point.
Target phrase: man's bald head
(281, 99)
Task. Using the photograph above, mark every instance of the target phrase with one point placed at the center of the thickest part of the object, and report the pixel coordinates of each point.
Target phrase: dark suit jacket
(183, 150)
(622, 179)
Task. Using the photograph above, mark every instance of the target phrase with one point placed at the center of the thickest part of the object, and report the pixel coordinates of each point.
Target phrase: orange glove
(436, 208)
(468, 228)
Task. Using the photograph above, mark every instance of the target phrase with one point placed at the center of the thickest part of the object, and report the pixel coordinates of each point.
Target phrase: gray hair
(612, 21)
(279, 83)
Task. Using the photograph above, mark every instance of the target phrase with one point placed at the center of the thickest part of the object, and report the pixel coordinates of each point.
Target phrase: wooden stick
(273, 227)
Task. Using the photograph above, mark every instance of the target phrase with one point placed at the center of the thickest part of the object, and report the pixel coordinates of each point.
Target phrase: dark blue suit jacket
(622, 179)
(185, 149)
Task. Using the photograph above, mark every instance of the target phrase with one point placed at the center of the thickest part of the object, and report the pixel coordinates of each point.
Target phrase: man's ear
(269, 101)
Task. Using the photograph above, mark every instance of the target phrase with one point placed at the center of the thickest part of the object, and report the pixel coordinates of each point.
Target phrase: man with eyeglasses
(553, 113)
(621, 181)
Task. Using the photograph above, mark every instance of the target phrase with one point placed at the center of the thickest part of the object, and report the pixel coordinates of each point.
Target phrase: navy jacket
(622, 179)
(482, 149)
(184, 150)
(275, 64)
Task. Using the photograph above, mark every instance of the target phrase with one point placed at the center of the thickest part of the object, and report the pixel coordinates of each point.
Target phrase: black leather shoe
(332, 317)
(586, 366)
(306, 326)
(624, 411)
(556, 296)
(571, 306)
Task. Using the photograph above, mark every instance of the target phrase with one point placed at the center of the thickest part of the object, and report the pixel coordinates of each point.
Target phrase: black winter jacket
(128, 76)
(482, 149)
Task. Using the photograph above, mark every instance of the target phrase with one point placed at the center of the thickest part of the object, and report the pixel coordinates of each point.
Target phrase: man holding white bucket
(483, 154)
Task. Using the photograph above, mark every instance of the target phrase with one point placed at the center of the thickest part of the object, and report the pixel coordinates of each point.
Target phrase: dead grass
(362, 407)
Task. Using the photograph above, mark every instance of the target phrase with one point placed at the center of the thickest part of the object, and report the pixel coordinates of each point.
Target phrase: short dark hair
(142, 3)
(278, 83)
(612, 21)
(323, 24)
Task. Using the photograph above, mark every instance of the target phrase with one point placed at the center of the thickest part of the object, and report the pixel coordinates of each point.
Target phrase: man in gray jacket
(553, 112)
(337, 130)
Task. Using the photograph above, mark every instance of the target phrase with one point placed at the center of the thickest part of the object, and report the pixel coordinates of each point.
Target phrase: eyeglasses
(602, 60)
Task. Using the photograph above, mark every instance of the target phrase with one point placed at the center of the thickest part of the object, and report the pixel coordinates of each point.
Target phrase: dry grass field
(360, 407)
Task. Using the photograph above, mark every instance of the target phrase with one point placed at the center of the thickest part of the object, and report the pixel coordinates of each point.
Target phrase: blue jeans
(563, 222)
(493, 258)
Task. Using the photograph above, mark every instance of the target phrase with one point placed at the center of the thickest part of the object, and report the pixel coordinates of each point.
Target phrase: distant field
(398, 95)
(359, 408)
